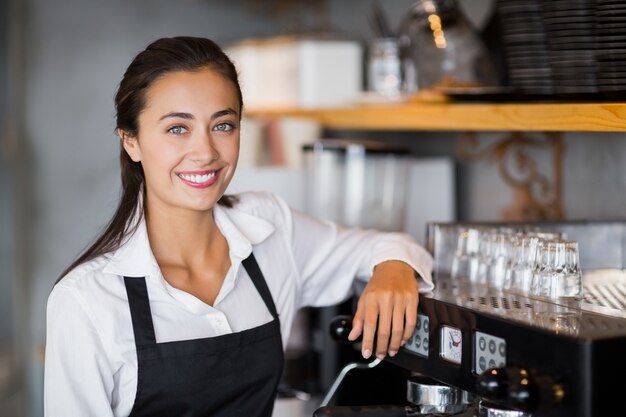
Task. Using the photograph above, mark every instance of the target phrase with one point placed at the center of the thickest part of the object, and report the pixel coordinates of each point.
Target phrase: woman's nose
(203, 150)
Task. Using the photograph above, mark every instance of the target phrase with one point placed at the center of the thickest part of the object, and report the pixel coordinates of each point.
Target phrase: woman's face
(188, 141)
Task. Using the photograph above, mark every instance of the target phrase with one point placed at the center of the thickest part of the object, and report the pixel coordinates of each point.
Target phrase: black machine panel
(571, 355)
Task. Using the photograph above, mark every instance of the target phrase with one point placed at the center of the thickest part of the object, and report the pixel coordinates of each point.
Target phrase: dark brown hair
(163, 56)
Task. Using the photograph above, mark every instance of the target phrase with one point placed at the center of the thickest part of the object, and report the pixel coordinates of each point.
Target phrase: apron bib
(230, 375)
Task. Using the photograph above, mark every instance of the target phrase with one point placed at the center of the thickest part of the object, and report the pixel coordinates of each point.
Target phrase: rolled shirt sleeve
(402, 247)
(329, 257)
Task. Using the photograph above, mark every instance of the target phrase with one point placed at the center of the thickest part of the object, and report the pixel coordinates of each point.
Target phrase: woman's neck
(191, 251)
(183, 238)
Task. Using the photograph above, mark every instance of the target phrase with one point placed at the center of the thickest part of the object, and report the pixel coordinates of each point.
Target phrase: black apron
(230, 375)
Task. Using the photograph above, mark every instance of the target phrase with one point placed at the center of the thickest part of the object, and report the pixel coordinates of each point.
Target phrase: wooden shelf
(544, 117)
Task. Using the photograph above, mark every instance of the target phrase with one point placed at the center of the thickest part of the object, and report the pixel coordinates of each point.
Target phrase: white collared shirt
(91, 363)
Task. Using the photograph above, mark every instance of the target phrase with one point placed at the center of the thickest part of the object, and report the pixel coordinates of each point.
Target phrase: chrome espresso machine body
(527, 355)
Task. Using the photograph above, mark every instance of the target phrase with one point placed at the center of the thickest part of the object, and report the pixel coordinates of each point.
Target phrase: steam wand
(353, 365)
(340, 328)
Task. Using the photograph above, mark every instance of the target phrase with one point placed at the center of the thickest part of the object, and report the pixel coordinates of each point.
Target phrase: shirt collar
(134, 258)
(242, 230)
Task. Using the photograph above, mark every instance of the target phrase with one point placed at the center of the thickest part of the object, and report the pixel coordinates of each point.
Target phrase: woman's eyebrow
(190, 116)
(224, 112)
(180, 115)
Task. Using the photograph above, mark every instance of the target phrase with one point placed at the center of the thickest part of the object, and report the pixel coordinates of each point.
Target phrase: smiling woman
(174, 310)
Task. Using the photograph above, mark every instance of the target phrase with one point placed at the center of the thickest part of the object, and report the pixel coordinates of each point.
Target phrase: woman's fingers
(357, 324)
(410, 319)
(370, 318)
(384, 311)
(397, 328)
(387, 310)
(385, 323)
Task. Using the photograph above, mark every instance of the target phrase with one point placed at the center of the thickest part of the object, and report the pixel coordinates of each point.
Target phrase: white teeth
(195, 178)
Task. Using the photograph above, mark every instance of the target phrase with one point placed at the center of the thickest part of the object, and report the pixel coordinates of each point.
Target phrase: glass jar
(357, 183)
(384, 73)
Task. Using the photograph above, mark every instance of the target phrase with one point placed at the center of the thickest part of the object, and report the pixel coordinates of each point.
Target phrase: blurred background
(60, 64)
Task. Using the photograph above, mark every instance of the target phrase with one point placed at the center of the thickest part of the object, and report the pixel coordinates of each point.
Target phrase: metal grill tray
(604, 291)
(601, 313)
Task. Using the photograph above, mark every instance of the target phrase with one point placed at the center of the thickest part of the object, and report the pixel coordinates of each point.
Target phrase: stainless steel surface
(492, 410)
(601, 297)
(431, 397)
(604, 291)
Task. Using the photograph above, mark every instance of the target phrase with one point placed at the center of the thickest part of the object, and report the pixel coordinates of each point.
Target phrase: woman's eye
(224, 127)
(177, 130)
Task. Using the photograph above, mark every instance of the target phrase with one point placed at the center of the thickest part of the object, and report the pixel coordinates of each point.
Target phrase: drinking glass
(485, 255)
(443, 242)
(499, 258)
(558, 274)
(494, 256)
(465, 261)
(523, 264)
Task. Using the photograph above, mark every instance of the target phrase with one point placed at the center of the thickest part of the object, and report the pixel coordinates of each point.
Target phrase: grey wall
(75, 52)
(6, 234)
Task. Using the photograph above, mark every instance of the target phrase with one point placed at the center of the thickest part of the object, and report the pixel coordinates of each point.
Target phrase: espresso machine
(481, 350)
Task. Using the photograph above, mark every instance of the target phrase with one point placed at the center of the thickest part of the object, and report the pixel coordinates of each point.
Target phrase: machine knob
(340, 328)
(519, 388)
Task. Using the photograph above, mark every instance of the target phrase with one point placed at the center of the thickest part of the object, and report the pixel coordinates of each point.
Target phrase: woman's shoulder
(261, 203)
(90, 290)
(86, 278)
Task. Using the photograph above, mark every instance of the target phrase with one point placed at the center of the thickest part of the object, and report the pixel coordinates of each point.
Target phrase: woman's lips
(199, 179)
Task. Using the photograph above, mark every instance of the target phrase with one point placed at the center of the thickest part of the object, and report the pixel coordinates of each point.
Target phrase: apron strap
(140, 311)
(252, 267)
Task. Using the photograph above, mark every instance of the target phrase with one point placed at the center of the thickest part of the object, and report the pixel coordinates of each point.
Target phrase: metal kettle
(443, 48)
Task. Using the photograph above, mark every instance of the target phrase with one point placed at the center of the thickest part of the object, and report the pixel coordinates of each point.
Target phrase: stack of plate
(611, 47)
(570, 29)
(525, 46)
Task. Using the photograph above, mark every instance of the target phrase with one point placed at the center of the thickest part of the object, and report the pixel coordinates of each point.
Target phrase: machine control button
(451, 347)
(489, 352)
(418, 343)
(482, 364)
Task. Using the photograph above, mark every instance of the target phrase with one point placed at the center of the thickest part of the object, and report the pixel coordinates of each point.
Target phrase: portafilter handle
(366, 411)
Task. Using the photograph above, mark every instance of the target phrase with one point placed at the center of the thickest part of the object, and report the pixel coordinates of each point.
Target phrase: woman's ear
(130, 144)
